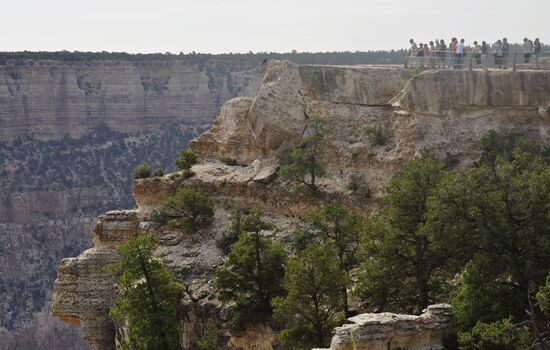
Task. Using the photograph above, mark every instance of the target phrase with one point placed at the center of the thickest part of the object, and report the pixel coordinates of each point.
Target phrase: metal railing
(514, 60)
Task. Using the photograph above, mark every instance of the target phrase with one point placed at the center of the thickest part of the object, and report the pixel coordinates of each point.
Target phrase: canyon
(70, 134)
(436, 112)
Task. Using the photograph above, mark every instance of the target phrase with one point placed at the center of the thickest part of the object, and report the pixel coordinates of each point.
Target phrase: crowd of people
(436, 54)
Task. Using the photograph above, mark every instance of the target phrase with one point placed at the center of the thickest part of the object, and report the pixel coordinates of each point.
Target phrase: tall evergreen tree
(339, 229)
(502, 209)
(396, 243)
(147, 298)
(253, 273)
(313, 305)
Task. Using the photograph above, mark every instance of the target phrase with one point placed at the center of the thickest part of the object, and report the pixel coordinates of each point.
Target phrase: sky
(218, 26)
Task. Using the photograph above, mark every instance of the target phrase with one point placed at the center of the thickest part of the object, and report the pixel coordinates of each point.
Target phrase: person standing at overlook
(420, 55)
(477, 53)
(435, 54)
(498, 54)
(460, 47)
(428, 54)
(537, 49)
(442, 52)
(412, 53)
(527, 50)
(453, 44)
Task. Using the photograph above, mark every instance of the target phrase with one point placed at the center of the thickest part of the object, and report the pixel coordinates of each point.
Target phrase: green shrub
(301, 239)
(148, 297)
(186, 160)
(234, 229)
(209, 340)
(543, 296)
(158, 172)
(253, 273)
(313, 304)
(229, 161)
(142, 171)
(303, 165)
(500, 335)
(378, 136)
(189, 209)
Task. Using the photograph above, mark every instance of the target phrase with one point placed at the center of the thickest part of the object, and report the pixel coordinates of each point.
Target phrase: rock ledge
(387, 331)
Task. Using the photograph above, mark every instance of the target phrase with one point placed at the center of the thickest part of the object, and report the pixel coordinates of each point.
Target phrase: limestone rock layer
(49, 100)
(389, 331)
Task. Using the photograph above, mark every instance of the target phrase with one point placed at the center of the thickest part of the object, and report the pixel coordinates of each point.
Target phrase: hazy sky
(258, 25)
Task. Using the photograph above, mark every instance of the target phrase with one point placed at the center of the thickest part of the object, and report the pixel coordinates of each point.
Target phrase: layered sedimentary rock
(70, 134)
(49, 100)
(260, 128)
(453, 109)
(388, 331)
(257, 131)
(87, 285)
(442, 112)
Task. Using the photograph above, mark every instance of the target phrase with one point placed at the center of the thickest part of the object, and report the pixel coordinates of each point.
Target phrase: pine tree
(396, 241)
(209, 340)
(253, 272)
(185, 161)
(307, 161)
(148, 297)
(340, 230)
(313, 305)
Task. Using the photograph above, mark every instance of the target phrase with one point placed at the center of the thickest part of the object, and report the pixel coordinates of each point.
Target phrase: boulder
(389, 331)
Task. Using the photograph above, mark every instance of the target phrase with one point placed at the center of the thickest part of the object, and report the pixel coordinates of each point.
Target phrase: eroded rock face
(453, 109)
(361, 85)
(438, 92)
(85, 286)
(388, 331)
(230, 135)
(276, 118)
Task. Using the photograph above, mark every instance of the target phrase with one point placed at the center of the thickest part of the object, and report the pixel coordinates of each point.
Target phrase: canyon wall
(49, 100)
(443, 113)
(70, 134)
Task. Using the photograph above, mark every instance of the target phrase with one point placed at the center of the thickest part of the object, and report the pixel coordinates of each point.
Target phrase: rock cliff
(70, 134)
(256, 132)
(49, 100)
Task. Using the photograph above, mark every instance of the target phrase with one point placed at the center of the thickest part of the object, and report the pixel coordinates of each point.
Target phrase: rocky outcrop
(276, 118)
(86, 284)
(443, 112)
(256, 132)
(388, 331)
